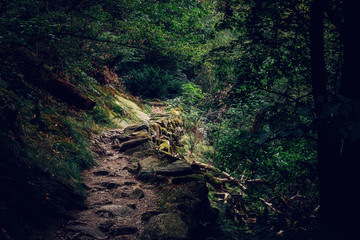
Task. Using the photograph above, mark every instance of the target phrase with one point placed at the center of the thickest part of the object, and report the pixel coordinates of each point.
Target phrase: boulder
(138, 127)
(166, 226)
(148, 145)
(177, 168)
(147, 168)
(133, 143)
(146, 216)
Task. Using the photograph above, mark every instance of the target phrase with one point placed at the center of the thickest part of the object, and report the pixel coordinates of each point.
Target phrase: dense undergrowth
(263, 104)
(281, 196)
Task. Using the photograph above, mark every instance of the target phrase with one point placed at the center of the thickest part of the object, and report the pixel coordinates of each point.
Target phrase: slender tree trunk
(351, 142)
(329, 141)
(338, 155)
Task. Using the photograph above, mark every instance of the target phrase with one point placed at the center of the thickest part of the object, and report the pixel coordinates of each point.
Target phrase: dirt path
(117, 203)
(122, 206)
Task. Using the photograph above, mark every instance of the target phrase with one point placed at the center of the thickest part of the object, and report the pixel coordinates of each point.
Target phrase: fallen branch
(227, 176)
(269, 205)
(257, 181)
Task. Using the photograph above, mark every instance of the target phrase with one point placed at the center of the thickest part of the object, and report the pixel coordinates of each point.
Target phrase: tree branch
(103, 41)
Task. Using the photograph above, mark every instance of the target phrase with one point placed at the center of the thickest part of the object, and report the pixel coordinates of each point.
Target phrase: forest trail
(117, 204)
(126, 188)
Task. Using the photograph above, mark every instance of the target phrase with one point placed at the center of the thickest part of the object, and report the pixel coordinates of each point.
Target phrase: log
(228, 178)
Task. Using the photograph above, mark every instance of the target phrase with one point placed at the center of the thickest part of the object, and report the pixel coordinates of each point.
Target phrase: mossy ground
(55, 135)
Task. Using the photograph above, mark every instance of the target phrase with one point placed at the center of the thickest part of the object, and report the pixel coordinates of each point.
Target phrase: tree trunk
(351, 143)
(329, 142)
(337, 154)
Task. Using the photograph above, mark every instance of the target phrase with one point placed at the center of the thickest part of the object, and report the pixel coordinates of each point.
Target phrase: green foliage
(239, 69)
(153, 82)
(192, 94)
(100, 115)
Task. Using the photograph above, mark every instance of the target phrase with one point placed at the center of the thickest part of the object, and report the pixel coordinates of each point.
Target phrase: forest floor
(117, 203)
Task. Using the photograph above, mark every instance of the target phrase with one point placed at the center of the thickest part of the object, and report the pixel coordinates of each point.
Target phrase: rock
(106, 225)
(177, 168)
(147, 168)
(101, 172)
(198, 189)
(156, 129)
(133, 143)
(144, 153)
(166, 226)
(132, 167)
(188, 178)
(88, 231)
(130, 183)
(131, 205)
(149, 145)
(137, 194)
(110, 185)
(164, 145)
(146, 216)
(164, 123)
(120, 194)
(114, 211)
(117, 230)
(138, 127)
(101, 202)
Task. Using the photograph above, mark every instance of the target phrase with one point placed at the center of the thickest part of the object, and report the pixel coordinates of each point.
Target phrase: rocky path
(118, 205)
(139, 190)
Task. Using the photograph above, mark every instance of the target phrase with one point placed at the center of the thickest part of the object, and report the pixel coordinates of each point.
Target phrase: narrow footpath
(139, 190)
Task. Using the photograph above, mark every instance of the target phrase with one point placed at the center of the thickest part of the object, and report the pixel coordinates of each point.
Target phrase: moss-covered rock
(133, 143)
(163, 145)
(177, 122)
(178, 168)
(166, 226)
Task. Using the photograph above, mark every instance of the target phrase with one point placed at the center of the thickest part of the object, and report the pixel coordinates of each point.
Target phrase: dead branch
(269, 205)
(227, 176)
(257, 181)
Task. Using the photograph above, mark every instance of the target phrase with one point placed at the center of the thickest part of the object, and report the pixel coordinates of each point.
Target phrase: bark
(328, 142)
(348, 177)
(337, 154)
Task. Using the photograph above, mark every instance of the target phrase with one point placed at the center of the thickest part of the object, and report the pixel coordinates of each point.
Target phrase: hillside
(178, 119)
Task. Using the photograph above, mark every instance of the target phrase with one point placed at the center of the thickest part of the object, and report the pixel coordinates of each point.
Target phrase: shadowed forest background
(267, 91)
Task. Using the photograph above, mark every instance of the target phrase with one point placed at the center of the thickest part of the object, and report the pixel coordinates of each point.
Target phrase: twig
(269, 205)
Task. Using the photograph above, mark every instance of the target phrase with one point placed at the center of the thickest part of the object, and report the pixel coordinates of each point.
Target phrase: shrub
(153, 82)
